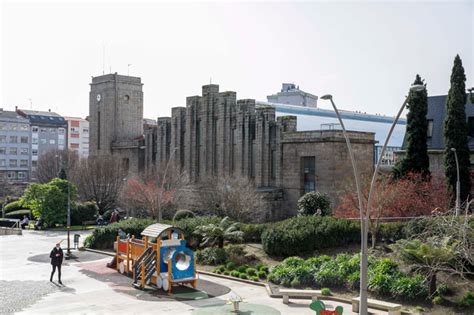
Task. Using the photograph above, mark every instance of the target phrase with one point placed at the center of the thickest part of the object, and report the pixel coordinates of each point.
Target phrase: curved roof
(157, 229)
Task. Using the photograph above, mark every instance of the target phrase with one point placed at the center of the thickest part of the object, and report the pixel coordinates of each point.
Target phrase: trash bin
(76, 240)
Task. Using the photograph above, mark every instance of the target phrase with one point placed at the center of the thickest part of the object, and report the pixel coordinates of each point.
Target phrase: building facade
(78, 136)
(216, 135)
(48, 132)
(116, 119)
(291, 94)
(15, 147)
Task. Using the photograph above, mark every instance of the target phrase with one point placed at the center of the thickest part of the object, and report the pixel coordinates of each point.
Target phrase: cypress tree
(416, 159)
(62, 174)
(456, 132)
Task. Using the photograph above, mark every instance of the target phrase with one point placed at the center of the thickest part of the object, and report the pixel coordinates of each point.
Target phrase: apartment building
(78, 135)
(15, 147)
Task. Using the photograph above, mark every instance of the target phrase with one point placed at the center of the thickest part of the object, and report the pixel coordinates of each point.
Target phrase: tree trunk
(432, 288)
(221, 243)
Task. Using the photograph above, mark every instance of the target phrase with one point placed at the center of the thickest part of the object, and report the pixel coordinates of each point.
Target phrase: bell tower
(116, 118)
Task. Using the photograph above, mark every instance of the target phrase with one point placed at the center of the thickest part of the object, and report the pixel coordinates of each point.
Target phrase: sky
(365, 53)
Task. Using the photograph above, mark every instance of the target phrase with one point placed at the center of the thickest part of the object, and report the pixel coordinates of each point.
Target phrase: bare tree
(232, 196)
(154, 194)
(50, 164)
(100, 179)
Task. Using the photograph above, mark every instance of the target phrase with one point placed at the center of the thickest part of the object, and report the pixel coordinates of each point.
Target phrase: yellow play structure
(162, 263)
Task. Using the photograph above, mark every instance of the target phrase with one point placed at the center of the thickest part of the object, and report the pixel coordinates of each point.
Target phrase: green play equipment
(320, 309)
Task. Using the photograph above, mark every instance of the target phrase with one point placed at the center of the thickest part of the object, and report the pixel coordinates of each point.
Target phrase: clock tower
(116, 119)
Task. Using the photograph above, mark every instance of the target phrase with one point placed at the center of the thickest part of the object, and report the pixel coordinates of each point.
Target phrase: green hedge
(190, 224)
(253, 232)
(104, 237)
(18, 214)
(86, 211)
(385, 278)
(304, 234)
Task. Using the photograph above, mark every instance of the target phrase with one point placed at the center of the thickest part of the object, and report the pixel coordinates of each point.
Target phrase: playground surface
(92, 288)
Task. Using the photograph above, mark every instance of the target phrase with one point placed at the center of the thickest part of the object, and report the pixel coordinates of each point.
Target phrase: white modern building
(78, 135)
(292, 95)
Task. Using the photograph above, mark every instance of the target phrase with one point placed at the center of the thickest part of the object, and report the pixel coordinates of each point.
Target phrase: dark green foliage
(251, 272)
(13, 206)
(104, 237)
(416, 159)
(86, 211)
(467, 300)
(392, 232)
(183, 214)
(304, 234)
(255, 278)
(311, 202)
(456, 132)
(235, 273)
(243, 268)
(253, 232)
(385, 278)
(190, 225)
(211, 256)
(243, 276)
(443, 289)
(261, 274)
(235, 253)
(18, 214)
(62, 174)
(326, 292)
(231, 265)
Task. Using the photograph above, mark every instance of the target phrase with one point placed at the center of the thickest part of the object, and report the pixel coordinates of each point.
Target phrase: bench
(86, 223)
(286, 293)
(391, 308)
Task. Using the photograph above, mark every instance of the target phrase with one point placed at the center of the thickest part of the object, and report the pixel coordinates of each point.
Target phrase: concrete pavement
(91, 288)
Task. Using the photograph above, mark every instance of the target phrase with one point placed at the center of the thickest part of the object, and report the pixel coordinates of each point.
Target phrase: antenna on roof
(103, 58)
(210, 80)
(128, 69)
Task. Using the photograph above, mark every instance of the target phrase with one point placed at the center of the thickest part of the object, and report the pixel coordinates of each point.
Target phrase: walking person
(56, 256)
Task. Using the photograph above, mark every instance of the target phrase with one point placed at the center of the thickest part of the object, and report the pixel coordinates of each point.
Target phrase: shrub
(242, 268)
(467, 300)
(437, 300)
(261, 274)
(243, 276)
(89, 241)
(311, 202)
(227, 273)
(235, 273)
(230, 265)
(189, 225)
(253, 232)
(295, 283)
(235, 253)
(86, 211)
(221, 268)
(443, 289)
(18, 214)
(183, 214)
(104, 237)
(326, 291)
(329, 278)
(251, 272)
(262, 267)
(305, 234)
(13, 206)
(410, 287)
(392, 232)
(254, 278)
(211, 256)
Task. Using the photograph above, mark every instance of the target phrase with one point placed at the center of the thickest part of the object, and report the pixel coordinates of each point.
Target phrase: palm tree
(213, 234)
(429, 257)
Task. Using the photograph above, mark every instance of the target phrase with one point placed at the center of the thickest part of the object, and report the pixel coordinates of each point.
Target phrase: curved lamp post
(364, 217)
(458, 183)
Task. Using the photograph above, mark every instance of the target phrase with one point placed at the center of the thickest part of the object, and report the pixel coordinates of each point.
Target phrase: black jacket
(56, 260)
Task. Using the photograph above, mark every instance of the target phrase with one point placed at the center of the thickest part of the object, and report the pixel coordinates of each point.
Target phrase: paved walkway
(91, 288)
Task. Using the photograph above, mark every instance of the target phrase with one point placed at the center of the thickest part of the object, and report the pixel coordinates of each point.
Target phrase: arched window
(126, 99)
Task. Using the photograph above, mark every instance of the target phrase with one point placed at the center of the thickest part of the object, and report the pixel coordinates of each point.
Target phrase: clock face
(98, 97)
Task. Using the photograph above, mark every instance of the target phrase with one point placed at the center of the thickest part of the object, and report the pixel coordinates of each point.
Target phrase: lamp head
(453, 149)
(326, 97)
(417, 87)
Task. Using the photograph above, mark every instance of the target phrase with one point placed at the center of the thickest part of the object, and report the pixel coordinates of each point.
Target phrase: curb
(268, 288)
(98, 251)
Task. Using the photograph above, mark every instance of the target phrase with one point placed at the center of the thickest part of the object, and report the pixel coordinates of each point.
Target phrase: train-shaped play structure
(162, 263)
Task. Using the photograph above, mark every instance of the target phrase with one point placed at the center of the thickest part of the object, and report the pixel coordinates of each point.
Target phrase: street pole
(363, 262)
(458, 184)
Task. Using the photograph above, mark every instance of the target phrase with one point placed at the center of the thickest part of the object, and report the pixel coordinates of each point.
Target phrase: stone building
(216, 135)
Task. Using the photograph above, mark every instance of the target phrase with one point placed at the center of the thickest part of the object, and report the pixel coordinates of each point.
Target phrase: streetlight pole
(363, 262)
(458, 184)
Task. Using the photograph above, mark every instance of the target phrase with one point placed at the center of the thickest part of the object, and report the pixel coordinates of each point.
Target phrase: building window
(3, 139)
(24, 127)
(308, 173)
(429, 131)
(13, 139)
(11, 175)
(23, 163)
(12, 163)
(85, 130)
(43, 141)
(126, 99)
(74, 130)
(34, 152)
(34, 140)
(43, 130)
(21, 175)
(24, 151)
(3, 162)
(61, 131)
(34, 129)
(24, 140)
(34, 163)
(61, 141)
(3, 150)
(52, 141)
(13, 151)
